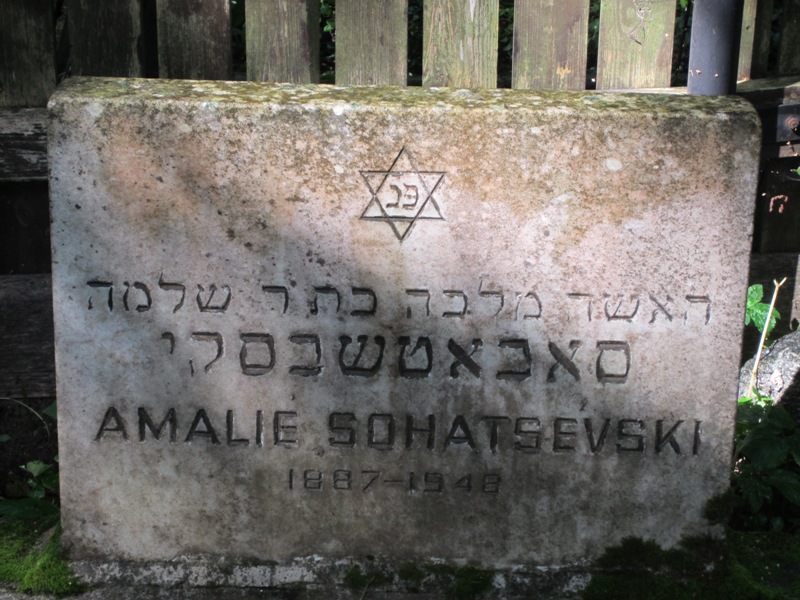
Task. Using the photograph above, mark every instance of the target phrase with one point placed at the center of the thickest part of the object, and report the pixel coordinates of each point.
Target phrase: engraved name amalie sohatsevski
(439, 346)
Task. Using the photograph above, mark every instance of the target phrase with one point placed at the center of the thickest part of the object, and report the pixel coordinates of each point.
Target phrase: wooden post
(550, 44)
(459, 43)
(789, 55)
(635, 46)
(372, 42)
(27, 52)
(194, 39)
(754, 43)
(107, 38)
(282, 40)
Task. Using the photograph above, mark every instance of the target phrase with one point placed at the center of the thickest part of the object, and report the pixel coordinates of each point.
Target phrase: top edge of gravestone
(126, 90)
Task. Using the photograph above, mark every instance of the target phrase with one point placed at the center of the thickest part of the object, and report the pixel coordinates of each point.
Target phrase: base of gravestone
(202, 578)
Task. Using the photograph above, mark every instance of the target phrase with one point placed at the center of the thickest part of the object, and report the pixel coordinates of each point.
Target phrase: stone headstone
(778, 373)
(493, 326)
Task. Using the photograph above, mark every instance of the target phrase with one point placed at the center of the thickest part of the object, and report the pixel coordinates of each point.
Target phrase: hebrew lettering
(420, 294)
(214, 338)
(525, 371)
(173, 287)
(583, 296)
(416, 372)
(373, 305)
(316, 367)
(532, 309)
(562, 360)
(102, 284)
(206, 305)
(278, 289)
(661, 307)
(621, 313)
(137, 285)
(354, 368)
(325, 290)
(699, 300)
(456, 294)
(264, 345)
(170, 337)
(608, 356)
(462, 358)
(492, 294)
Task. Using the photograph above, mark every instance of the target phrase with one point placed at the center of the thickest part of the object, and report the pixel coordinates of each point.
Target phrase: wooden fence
(41, 40)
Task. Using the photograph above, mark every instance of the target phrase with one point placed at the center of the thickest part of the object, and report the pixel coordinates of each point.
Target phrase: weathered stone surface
(497, 326)
(778, 373)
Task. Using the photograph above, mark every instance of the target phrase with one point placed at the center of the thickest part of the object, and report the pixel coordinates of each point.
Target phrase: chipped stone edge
(317, 573)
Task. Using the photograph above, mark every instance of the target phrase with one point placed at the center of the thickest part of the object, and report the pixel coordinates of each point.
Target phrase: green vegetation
(30, 554)
(742, 566)
(759, 557)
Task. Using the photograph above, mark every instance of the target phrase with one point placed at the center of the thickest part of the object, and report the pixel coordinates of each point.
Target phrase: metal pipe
(714, 47)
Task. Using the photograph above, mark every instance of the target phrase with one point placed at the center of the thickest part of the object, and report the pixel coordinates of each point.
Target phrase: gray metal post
(714, 49)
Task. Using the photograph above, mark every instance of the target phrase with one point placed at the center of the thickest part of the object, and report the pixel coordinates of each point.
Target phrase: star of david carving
(403, 195)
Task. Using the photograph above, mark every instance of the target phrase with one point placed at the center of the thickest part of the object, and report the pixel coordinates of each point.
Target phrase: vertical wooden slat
(106, 37)
(194, 39)
(459, 43)
(635, 46)
(747, 40)
(282, 40)
(371, 42)
(755, 41)
(27, 52)
(789, 55)
(550, 41)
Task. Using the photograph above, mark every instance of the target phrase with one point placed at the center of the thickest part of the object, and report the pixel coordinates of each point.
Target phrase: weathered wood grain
(194, 39)
(635, 46)
(282, 39)
(371, 42)
(459, 43)
(27, 52)
(107, 38)
(23, 144)
(754, 44)
(789, 55)
(27, 364)
(550, 42)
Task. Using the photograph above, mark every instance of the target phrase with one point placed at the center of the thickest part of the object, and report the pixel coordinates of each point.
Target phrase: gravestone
(493, 326)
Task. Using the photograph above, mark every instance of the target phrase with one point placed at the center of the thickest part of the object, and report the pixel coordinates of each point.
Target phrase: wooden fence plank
(27, 52)
(635, 46)
(27, 364)
(459, 43)
(194, 39)
(747, 40)
(106, 38)
(372, 42)
(23, 144)
(550, 44)
(789, 56)
(282, 39)
(754, 55)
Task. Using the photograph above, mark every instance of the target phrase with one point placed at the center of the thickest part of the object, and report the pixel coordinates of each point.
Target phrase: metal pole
(714, 48)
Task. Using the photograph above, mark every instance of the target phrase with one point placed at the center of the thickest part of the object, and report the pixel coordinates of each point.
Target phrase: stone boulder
(778, 373)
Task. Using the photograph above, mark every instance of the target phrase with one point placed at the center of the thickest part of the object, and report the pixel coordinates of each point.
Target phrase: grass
(31, 557)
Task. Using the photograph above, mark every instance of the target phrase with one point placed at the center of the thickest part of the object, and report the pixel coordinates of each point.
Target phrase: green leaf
(50, 411)
(4, 437)
(36, 467)
(787, 483)
(754, 491)
(27, 508)
(756, 310)
(778, 416)
(764, 449)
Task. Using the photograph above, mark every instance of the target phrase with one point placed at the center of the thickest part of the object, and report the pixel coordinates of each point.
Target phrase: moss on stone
(31, 557)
